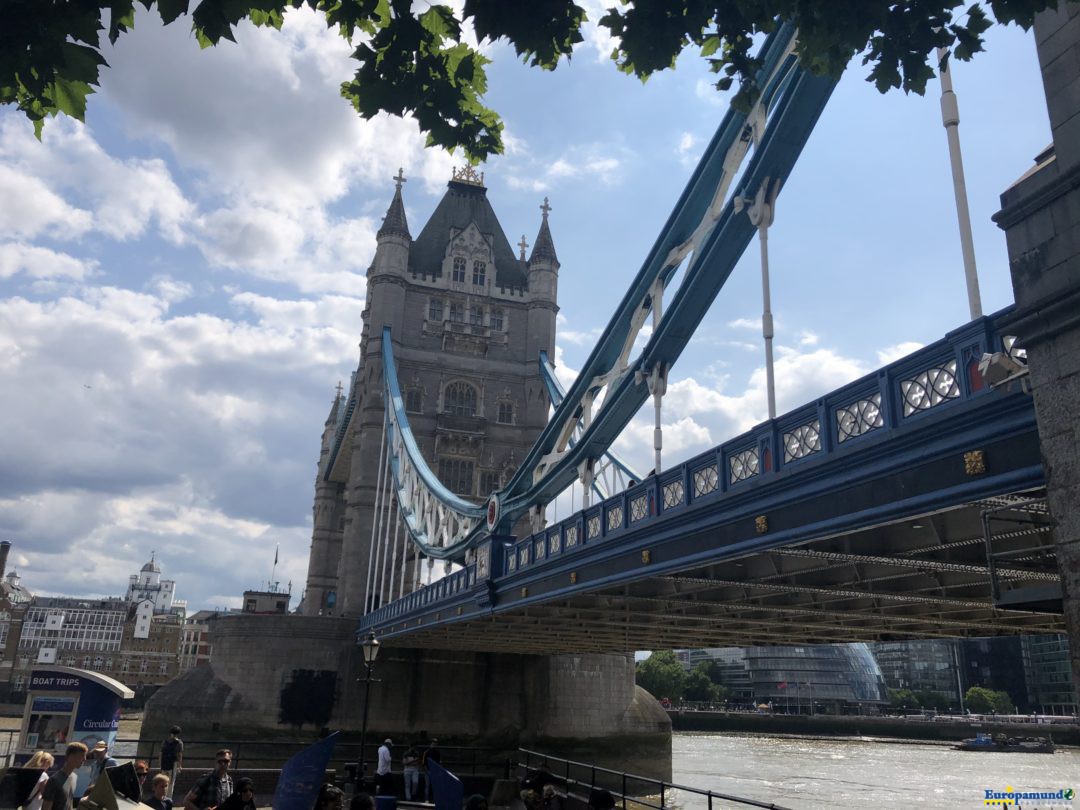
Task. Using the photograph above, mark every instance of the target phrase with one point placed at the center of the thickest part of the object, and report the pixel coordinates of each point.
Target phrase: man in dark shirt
(212, 788)
(172, 757)
(60, 789)
(432, 754)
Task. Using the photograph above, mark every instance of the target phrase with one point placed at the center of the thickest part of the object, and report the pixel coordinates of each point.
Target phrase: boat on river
(1021, 745)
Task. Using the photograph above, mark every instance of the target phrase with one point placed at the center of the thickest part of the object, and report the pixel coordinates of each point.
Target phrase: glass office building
(829, 678)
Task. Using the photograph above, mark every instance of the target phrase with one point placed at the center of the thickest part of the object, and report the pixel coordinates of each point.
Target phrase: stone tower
(468, 319)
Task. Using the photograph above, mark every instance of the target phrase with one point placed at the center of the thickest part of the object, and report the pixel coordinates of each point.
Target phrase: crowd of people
(217, 790)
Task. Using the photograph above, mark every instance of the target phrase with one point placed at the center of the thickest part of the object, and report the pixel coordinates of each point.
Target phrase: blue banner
(446, 788)
(302, 776)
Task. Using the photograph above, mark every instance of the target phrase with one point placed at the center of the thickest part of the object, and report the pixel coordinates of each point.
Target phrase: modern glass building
(1049, 675)
(829, 678)
(925, 665)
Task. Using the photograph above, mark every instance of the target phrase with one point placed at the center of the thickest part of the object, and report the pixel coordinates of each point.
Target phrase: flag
(782, 685)
(277, 548)
(300, 779)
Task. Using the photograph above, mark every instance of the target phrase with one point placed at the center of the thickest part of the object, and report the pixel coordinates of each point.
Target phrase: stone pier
(585, 707)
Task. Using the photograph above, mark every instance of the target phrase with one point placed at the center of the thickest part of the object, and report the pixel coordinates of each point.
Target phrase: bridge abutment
(1041, 219)
(586, 707)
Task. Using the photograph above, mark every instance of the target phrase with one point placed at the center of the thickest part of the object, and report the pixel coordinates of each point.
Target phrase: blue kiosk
(65, 705)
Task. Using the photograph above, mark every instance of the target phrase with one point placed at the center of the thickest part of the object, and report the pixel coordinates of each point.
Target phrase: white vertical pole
(404, 552)
(950, 118)
(658, 380)
(374, 513)
(390, 498)
(761, 215)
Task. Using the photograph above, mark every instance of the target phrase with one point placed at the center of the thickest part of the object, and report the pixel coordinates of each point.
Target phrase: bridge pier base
(1041, 219)
(288, 676)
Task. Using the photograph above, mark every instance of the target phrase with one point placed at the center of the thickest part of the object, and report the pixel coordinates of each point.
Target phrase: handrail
(624, 778)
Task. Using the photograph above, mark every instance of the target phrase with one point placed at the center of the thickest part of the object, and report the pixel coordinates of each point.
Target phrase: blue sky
(181, 278)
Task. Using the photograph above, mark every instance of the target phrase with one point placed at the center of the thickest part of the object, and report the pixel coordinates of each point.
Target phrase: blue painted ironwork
(438, 521)
(610, 459)
(700, 487)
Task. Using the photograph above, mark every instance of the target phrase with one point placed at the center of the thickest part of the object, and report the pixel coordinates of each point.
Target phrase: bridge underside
(924, 576)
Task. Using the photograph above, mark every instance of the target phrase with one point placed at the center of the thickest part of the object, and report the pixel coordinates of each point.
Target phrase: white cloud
(895, 352)
(687, 150)
(28, 207)
(745, 323)
(578, 163)
(41, 263)
(705, 90)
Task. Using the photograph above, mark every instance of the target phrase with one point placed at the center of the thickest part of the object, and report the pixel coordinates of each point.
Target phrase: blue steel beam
(918, 415)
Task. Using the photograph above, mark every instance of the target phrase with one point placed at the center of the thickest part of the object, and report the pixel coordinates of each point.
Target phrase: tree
(661, 675)
(903, 699)
(931, 699)
(412, 58)
(981, 700)
(700, 685)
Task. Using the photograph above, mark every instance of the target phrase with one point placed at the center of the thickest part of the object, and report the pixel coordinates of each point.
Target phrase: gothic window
(506, 413)
(414, 401)
(434, 309)
(497, 320)
(489, 481)
(459, 399)
(457, 474)
(479, 273)
(457, 313)
(476, 316)
(459, 269)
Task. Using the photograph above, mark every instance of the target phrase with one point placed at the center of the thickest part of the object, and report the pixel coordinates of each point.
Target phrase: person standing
(410, 772)
(243, 798)
(213, 787)
(44, 761)
(172, 757)
(382, 770)
(431, 754)
(99, 761)
(158, 788)
(60, 790)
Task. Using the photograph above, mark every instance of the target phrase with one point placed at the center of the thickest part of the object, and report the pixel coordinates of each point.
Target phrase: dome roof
(151, 567)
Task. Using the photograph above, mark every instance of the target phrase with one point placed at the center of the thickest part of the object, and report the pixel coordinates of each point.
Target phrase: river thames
(830, 773)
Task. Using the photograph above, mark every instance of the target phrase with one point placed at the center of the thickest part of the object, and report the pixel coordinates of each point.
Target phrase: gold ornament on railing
(467, 175)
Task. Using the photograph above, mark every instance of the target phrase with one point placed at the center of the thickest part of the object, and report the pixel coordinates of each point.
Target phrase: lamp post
(370, 648)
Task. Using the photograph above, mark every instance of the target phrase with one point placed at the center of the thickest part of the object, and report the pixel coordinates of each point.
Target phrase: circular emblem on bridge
(493, 512)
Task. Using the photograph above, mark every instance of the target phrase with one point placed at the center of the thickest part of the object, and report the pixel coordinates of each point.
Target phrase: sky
(182, 276)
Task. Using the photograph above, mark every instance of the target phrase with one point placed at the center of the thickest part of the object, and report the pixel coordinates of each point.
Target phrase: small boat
(1024, 745)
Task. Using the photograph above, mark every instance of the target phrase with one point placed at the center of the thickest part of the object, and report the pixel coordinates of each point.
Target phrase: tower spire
(394, 222)
(543, 246)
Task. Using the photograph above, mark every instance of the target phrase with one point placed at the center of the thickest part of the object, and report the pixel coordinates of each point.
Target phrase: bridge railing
(631, 791)
(938, 377)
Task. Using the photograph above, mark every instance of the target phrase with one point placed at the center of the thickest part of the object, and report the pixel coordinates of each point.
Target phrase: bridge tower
(469, 319)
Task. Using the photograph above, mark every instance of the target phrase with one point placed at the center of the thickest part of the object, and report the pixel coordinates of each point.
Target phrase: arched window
(506, 413)
(497, 320)
(460, 399)
(479, 273)
(457, 474)
(414, 401)
(459, 269)
(434, 309)
(457, 313)
(476, 316)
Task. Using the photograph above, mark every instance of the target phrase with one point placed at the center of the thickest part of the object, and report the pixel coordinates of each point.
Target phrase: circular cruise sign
(492, 512)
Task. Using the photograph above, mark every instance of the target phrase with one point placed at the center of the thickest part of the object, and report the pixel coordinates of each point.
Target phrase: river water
(829, 773)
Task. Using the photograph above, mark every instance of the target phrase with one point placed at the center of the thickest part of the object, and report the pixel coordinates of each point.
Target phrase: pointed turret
(395, 223)
(543, 246)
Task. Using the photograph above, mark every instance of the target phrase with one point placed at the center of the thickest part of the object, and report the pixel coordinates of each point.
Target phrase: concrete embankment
(850, 726)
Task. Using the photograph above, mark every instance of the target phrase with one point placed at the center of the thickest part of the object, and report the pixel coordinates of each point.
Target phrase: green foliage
(661, 675)
(980, 700)
(412, 58)
(700, 686)
(903, 699)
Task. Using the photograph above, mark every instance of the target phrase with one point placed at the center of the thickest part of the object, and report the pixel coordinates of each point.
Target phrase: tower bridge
(918, 501)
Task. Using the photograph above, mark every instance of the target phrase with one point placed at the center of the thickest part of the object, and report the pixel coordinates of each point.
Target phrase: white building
(148, 585)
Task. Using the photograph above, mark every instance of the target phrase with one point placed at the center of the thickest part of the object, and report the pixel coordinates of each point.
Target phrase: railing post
(662, 805)
(593, 785)
(624, 790)
(710, 800)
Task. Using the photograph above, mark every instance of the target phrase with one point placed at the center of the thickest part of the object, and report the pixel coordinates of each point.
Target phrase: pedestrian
(60, 790)
(410, 772)
(431, 754)
(383, 784)
(99, 761)
(550, 800)
(172, 757)
(142, 770)
(330, 798)
(159, 790)
(43, 760)
(213, 787)
(243, 798)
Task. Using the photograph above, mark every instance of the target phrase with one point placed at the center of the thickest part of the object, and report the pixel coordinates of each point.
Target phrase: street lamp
(370, 648)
